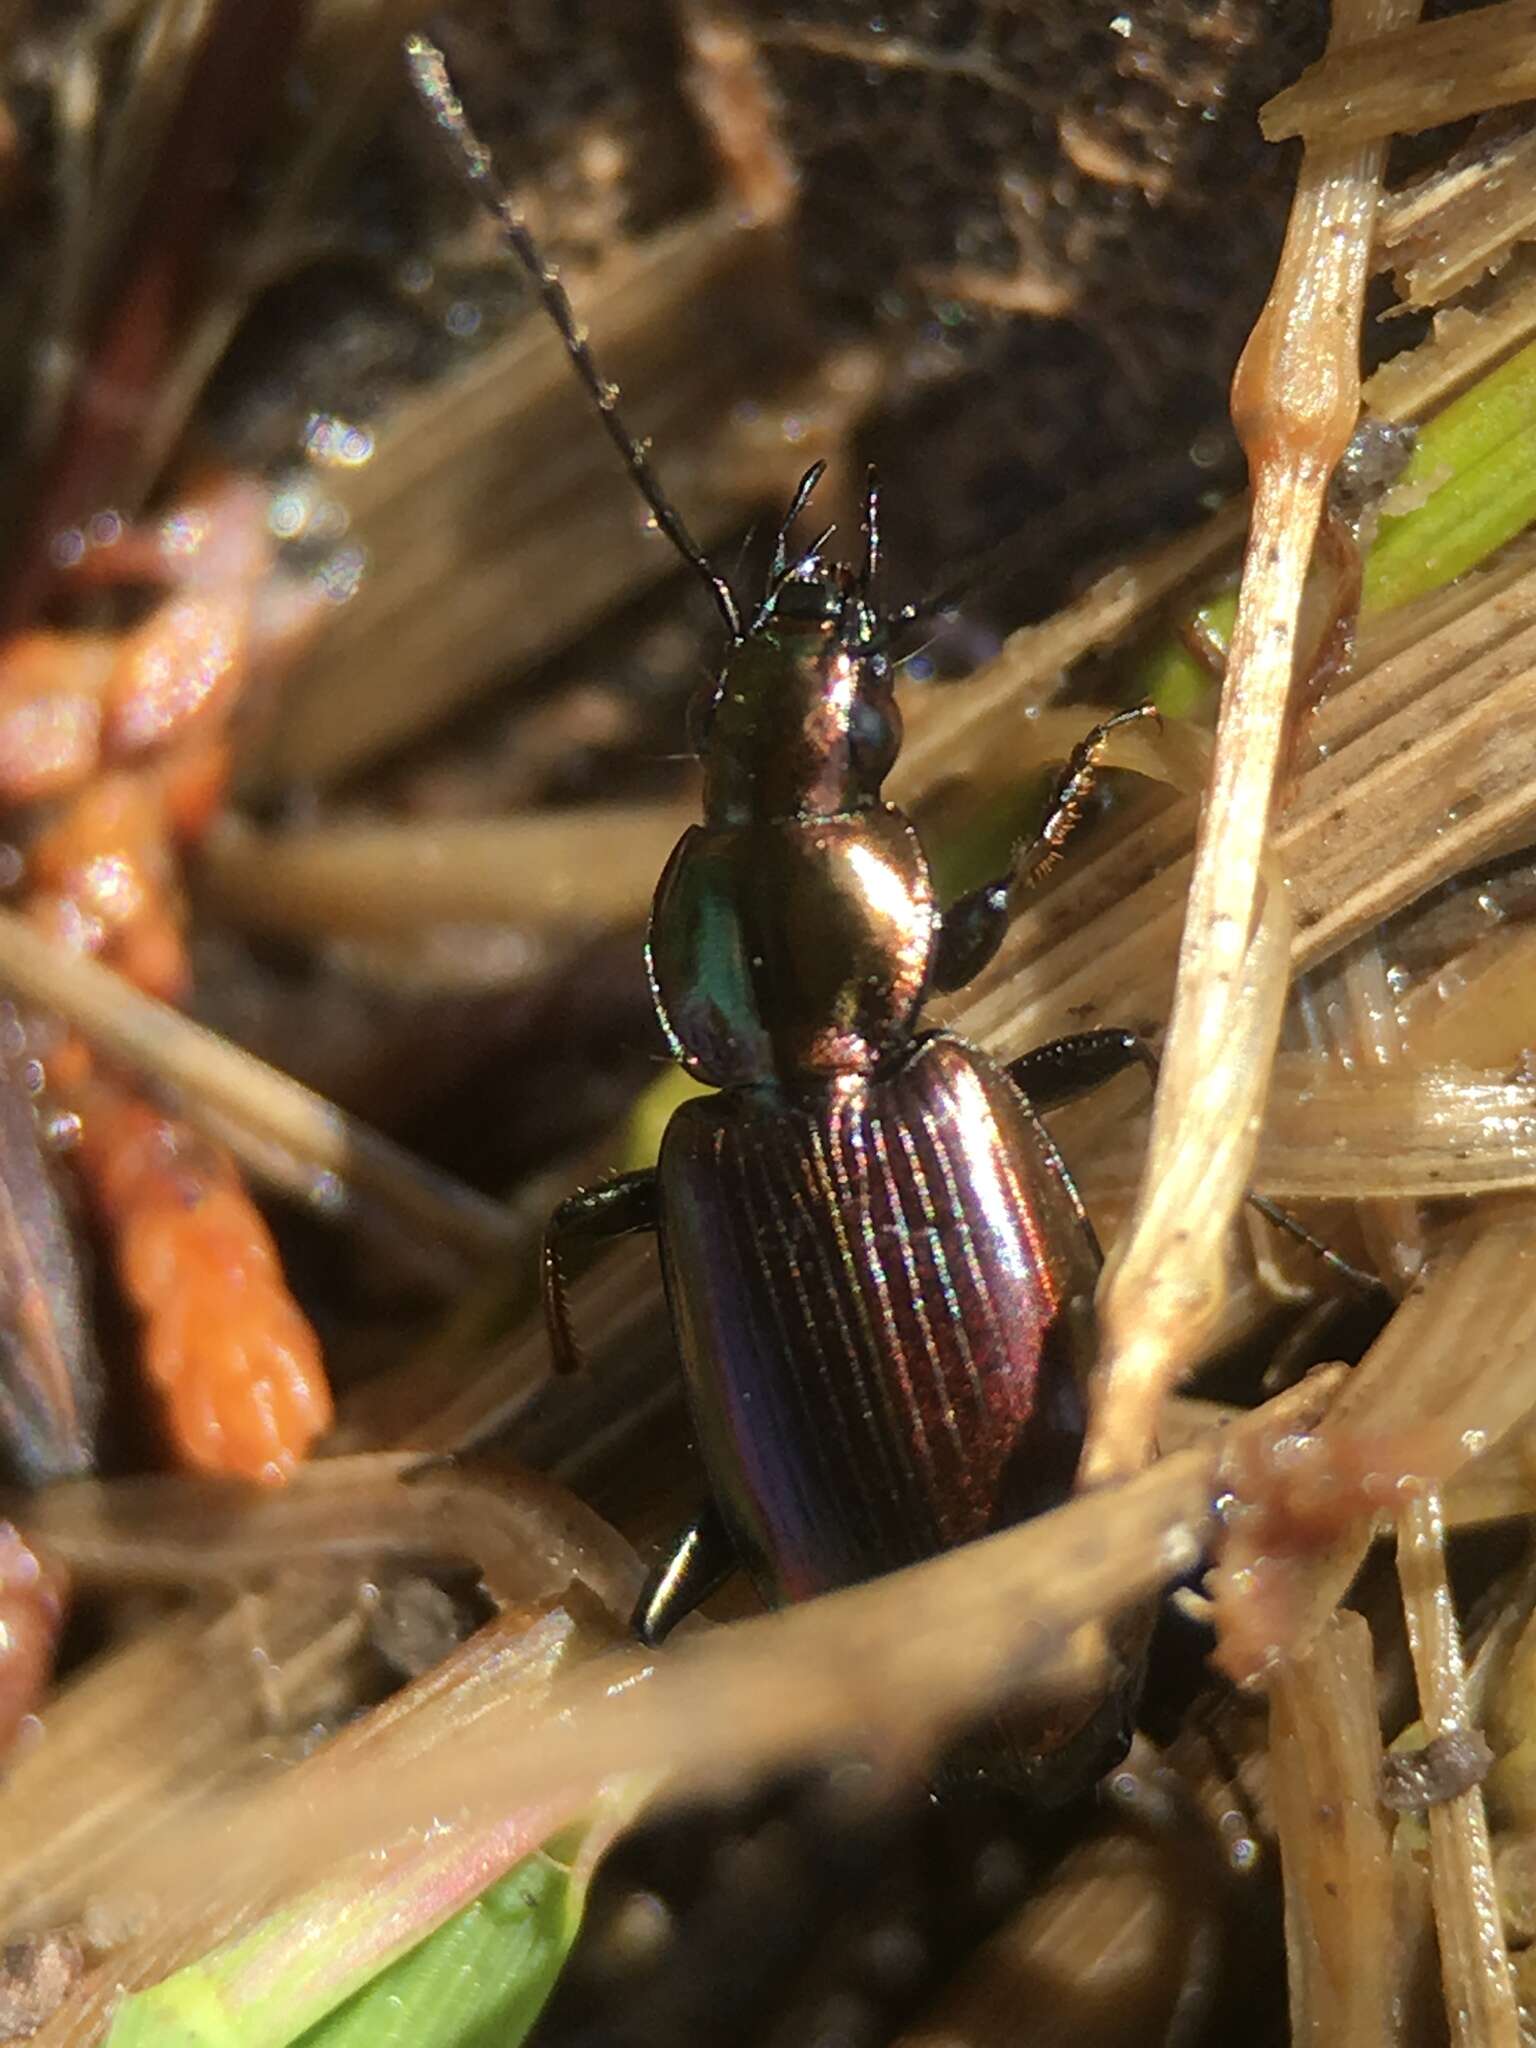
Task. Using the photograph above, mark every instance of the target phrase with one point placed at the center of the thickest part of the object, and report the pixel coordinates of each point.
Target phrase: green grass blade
(479, 1982)
(1476, 464)
(387, 1960)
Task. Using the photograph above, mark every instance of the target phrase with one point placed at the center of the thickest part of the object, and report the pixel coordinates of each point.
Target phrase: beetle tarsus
(699, 1563)
(1074, 786)
(974, 924)
(1367, 1283)
(591, 1216)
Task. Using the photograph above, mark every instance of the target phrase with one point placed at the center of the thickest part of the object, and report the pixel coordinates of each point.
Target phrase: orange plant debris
(127, 735)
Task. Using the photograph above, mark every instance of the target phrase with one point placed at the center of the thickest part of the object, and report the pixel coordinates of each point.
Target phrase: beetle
(878, 1269)
(879, 1272)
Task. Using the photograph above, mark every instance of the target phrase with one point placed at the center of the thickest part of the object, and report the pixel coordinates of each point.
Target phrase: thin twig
(246, 1094)
(1325, 1780)
(1480, 2000)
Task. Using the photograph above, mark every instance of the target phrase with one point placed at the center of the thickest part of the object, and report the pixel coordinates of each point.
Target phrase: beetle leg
(700, 1562)
(1054, 1074)
(1058, 1073)
(973, 926)
(590, 1216)
(970, 933)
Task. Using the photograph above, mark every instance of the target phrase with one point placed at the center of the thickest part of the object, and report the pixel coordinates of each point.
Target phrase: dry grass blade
(1436, 1131)
(173, 1714)
(211, 1075)
(1405, 79)
(139, 1736)
(888, 1668)
(1335, 1844)
(1412, 1135)
(1360, 1030)
(1477, 1012)
(571, 870)
(1479, 1989)
(1453, 1373)
(950, 733)
(1295, 400)
(1462, 222)
(1371, 829)
(506, 1669)
(121, 1762)
(1465, 344)
(528, 1539)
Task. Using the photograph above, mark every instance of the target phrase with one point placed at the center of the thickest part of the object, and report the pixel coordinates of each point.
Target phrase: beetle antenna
(429, 75)
(797, 505)
(871, 533)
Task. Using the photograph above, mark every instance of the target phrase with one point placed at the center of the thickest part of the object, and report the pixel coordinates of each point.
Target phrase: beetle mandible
(879, 1272)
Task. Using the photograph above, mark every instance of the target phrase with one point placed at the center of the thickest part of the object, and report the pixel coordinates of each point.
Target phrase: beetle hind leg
(699, 1563)
(1054, 1074)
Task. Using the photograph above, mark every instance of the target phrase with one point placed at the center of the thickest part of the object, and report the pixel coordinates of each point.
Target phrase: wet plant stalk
(1295, 400)
(1480, 1998)
(1335, 1845)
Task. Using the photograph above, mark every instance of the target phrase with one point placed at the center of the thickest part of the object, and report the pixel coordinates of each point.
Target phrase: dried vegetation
(424, 904)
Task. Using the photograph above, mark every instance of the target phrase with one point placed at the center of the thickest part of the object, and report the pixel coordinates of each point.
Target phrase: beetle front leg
(973, 926)
(591, 1216)
(701, 1561)
(1055, 1074)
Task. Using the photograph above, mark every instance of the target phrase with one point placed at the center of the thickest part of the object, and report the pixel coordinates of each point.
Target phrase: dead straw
(1295, 400)
(1325, 1759)
(885, 1668)
(1399, 80)
(1480, 2001)
(210, 1076)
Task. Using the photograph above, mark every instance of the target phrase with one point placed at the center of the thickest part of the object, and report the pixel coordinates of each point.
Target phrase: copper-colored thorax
(792, 931)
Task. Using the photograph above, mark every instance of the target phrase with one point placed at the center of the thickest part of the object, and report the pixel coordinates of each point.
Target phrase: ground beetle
(879, 1271)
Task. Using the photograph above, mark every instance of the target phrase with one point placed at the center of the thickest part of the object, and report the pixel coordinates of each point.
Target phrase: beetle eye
(875, 732)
